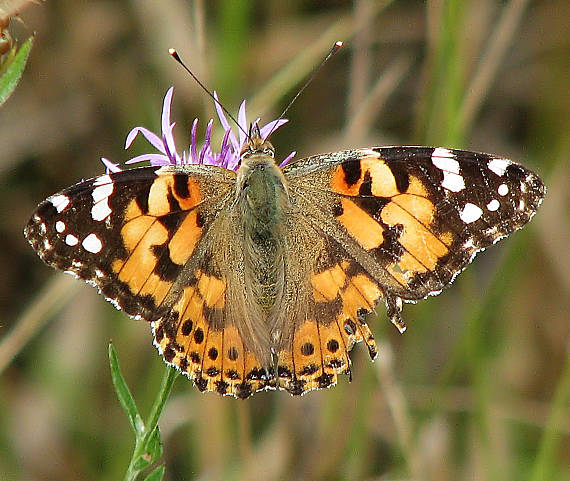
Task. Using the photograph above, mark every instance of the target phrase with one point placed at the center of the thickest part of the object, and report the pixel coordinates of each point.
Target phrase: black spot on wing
(352, 172)
(401, 172)
(142, 198)
(338, 210)
(172, 202)
(181, 186)
(366, 186)
(165, 269)
(200, 220)
(172, 221)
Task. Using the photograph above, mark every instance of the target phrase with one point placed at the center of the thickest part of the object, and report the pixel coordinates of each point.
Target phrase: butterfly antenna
(334, 49)
(174, 54)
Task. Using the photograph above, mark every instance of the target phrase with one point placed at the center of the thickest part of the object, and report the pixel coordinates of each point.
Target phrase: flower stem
(148, 446)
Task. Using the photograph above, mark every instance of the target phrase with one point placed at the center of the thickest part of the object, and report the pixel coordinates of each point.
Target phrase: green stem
(151, 424)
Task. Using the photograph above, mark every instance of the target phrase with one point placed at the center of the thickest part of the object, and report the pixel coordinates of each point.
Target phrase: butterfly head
(256, 144)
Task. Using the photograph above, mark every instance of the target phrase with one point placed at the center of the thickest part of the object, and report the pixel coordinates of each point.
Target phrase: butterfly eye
(268, 151)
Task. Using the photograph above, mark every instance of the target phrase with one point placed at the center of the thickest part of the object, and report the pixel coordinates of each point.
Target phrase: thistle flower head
(228, 155)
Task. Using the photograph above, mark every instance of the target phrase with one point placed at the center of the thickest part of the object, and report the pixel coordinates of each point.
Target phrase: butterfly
(262, 278)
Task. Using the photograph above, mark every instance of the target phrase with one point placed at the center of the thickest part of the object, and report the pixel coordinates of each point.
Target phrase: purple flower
(230, 148)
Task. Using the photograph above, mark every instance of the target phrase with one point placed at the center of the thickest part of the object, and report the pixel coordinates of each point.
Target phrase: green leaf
(156, 475)
(12, 69)
(153, 446)
(124, 394)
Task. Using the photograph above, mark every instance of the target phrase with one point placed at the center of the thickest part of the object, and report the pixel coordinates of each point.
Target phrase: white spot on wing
(104, 179)
(444, 159)
(71, 240)
(102, 192)
(498, 166)
(470, 213)
(43, 228)
(468, 244)
(101, 210)
(493, 205)
(60, 226)
(503, 189)
(452, 182)
(92, 244)
(60, 202)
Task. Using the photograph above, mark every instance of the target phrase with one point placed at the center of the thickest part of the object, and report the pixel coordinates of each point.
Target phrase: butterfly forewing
(129, 233)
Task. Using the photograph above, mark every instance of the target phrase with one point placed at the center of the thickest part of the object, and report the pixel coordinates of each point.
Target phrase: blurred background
(477, 388)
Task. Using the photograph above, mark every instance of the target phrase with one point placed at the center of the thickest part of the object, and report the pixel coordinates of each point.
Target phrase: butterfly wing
(160, 243)
(391, 223)
(395, 223)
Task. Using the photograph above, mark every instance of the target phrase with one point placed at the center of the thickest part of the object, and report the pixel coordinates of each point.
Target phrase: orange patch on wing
(335, 357)
(327, 284)
(423, 247)
(133, 231)
(117, 264)
(132, 211)
(339, 184)
(307, 353)
(416, 187)
(162, 187)
(158, 196)
(233, 356)
(190, 305)
(368, 288)
(361, 292)
(365, 230)
(383, 181)
(156, 287)
(194, 196)
(352, 300)
(212, 290)
(212, 364)
(142, 261)
(184, 240)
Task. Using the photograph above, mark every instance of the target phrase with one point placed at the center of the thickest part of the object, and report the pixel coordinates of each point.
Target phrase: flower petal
(287, 159)
(242, 121)
(193, 143)
(271, 127)
(110, 166)
(165, 118)
(154, 139)
(225, 123)
(154, 159)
